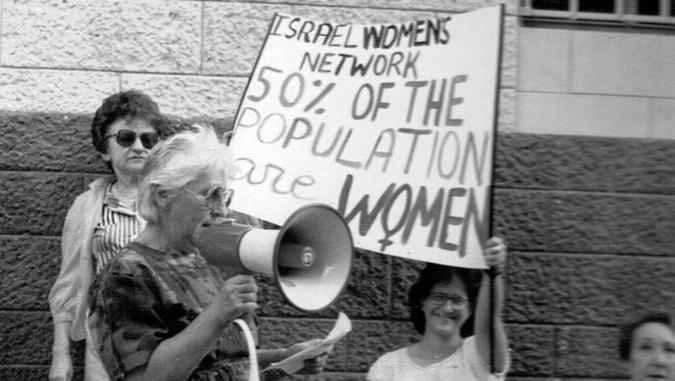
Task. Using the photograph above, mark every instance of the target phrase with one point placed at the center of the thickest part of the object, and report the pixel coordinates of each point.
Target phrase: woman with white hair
(160, 312)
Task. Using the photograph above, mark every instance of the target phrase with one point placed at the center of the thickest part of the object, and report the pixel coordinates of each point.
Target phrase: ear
(105, 156)
(162, 197)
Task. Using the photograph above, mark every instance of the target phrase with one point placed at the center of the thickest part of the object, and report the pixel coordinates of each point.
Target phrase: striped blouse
(118, 224)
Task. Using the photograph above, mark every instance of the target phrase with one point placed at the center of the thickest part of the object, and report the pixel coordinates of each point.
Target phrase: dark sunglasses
(126, 138)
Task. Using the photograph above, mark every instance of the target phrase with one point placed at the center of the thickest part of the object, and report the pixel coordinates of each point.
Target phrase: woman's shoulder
(394, 356)
(95, 190)
(128, 261)
(386, 365)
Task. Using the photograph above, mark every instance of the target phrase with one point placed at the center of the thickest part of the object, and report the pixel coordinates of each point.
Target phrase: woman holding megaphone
(160, 312)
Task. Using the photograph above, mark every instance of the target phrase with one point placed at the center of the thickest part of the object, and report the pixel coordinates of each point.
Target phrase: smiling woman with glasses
(101, 221)
(450, 308)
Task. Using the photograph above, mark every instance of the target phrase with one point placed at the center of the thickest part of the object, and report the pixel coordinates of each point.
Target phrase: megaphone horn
(310, 257)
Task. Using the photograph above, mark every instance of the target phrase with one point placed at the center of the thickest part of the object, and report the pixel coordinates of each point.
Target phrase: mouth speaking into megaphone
(310, 257)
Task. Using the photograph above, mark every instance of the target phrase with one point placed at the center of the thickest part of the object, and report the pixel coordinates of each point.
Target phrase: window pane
(553, 5)
(599, 6)
(648, 7)
(642, 7)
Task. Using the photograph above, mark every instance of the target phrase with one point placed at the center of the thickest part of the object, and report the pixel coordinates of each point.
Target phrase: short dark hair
(126, 104)
(429, 277)
(627, 330)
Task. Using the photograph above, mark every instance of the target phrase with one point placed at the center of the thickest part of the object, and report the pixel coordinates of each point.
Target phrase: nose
(137, 146)
(217, 211)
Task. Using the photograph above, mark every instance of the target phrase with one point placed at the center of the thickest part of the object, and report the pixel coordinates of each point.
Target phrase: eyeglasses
(458, 302)
(126, 138)
(216, 196)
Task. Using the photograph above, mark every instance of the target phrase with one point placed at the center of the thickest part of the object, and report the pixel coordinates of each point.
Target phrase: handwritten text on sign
(393, 125)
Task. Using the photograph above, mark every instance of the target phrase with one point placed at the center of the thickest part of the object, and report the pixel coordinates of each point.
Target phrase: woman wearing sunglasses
(441, 302)
(101, 221)
(160, 311)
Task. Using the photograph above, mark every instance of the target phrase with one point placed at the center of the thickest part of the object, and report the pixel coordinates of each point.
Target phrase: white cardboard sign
(392, 125)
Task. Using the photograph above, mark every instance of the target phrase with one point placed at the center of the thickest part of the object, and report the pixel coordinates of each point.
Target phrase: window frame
(617, 17)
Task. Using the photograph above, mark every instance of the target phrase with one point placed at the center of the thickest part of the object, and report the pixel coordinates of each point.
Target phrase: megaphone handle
(253, 374)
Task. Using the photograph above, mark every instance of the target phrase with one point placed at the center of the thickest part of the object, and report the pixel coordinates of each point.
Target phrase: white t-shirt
(463, 365)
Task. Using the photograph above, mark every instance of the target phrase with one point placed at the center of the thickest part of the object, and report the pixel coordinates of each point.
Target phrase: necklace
(421, 353)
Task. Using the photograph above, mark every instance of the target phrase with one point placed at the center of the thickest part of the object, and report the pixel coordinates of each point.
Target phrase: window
(633, 12)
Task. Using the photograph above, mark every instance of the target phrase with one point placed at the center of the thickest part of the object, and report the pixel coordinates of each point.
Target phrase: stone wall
(588, 219)
(589, 222)
(593, 81)
(193, 57)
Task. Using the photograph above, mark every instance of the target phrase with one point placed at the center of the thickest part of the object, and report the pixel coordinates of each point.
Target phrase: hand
(495, 254)
(61, 368)
(311, 366)
(237, 297)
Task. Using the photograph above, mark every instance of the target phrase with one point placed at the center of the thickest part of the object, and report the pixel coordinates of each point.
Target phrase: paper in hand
(294, 363)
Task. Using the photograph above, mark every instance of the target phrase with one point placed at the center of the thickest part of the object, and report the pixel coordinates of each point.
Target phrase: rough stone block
(443, 5)
(336, 3)
(371, 339)
(532, 350)
(361, 15)
(588, 352)
(190, 96)
(584, 222)
(367, 292)
(403, 274)
(36, 203)
(584, 163)
(612, 223)
(282, 333)
(521, 217)
(28, 268)
(117, 35)
(42, 141)
(365, 296)
(24, 373)
(509, 67)
(507, 112)
(25, 337)
(33, 372)
(585, 289)
(234, 34)
(32, 90)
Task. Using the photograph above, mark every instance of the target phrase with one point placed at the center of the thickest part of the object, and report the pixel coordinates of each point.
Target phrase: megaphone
(310, 257)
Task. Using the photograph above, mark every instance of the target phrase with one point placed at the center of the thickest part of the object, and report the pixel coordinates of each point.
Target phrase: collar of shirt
(117, 205)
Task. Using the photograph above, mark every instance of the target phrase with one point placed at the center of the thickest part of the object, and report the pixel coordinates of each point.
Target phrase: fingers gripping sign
(495, 254)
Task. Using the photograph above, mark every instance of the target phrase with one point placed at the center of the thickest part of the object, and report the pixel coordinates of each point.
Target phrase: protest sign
(392, 125)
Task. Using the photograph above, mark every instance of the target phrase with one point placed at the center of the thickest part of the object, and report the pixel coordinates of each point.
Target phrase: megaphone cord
(253, 374)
